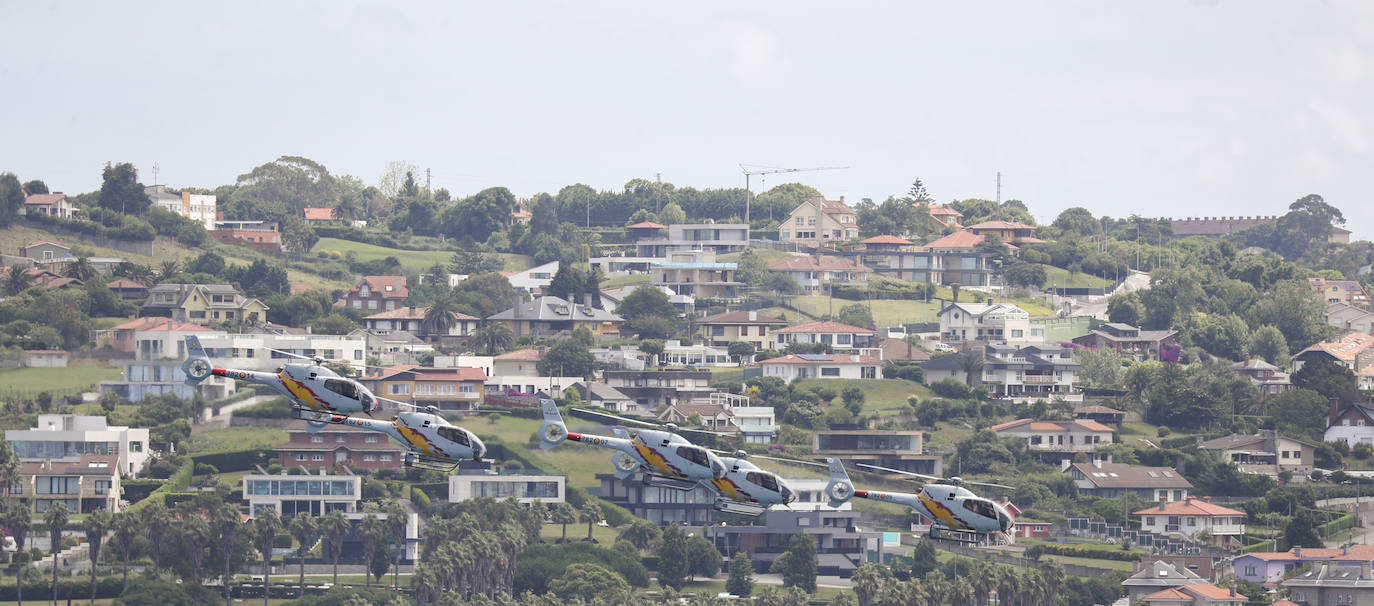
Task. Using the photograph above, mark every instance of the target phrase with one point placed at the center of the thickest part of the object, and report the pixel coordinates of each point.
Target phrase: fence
(1158, 543)
(1011, 560)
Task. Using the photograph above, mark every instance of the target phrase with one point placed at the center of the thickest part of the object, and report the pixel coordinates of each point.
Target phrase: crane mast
(754, 169)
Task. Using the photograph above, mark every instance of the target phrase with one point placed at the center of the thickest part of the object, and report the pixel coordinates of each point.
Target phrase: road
(1096, 307)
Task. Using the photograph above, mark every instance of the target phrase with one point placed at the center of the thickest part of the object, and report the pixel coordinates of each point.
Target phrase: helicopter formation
(320, 396)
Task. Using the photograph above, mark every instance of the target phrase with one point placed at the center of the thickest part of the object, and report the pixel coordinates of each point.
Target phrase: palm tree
(18, 521)
(982, 578)
(56, 519)
(81, 269)
(265, 528)
(141, 274)
(641, 533)
(226, 527)
(971, 365)
(370, 529)
(126, 529)
(97, 524)
(302, 528)
(961, 592)
(193, 532)
(1053, 574)
(440, 317)
(167, 270)
(937, 588)
(17, 280)
(396, 519)
(591, 514)
(155, 521)
(334, 526)
(493, 337)
(564, 514)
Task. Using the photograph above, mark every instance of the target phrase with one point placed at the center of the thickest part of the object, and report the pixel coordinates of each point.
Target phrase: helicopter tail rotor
(197, 366)
(840, 489)
(553, 431)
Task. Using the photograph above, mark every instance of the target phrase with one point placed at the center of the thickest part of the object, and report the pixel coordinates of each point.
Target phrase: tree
(229, 529)
(493, 337)
(1329, 378)
(590, 582)
(1101, 367)
(155, 522)
(81, 269)
(1026, 274)
(564, 514)
(1268, 344)
(870, 580)
(856, 314)
(56, 519)
(972, 365)
(1222, 335)
(302, 528)
(396, 519)
(798, 564)
(591, 514)
(18, 521)
(702, 557)
(97, 523)
(741, 581)
(265, 528)
(1295, 310)
(441, 316)
(334, 526)
(1126, 309)
(17, 280)
(370, 530)
(672, 558)
(11, 198)
(121, 190)
(642, 534)
(1301, 530)
(652, 348)
(923, 559)
(567, 358)
(1077, 221)
(568, 284)
(741, 351)
(672, 214)
(646, 309)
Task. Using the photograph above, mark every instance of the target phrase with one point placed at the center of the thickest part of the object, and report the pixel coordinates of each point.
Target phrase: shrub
(539, 563)
(1163, 432)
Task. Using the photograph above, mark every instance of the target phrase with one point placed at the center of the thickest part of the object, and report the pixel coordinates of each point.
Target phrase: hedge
(234, 460)
(137, 490)
(1080, 552)
(77, 588)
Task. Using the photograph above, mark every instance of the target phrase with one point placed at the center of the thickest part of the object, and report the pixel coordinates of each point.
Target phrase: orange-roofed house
(1270, 566)
(1058, 439)
(412, 319)
(644, 230)
(955, 259)
(818, 222)
(1353, 350)
(1191, 516)
(127, 289)
(446, 388)
(1200, 594)
(840, 337)
(124, 337)
(1007, 231)
(817, 274)
(823, 366)
(945, 215)
(377, 293)
(320, 216)
(52, 205)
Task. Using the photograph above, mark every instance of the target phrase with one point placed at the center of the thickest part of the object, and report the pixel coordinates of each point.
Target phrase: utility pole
(658, 191)
(754, 169)
(999, 188)
(428, 176)
(156, 170)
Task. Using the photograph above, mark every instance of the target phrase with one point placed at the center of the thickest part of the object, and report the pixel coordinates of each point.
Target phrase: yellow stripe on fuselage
(656, 461)
(942, 513)
(418, 440)
(302, 393)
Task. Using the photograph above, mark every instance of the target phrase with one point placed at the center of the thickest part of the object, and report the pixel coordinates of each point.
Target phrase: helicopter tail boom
(840, 489)
(553, 431)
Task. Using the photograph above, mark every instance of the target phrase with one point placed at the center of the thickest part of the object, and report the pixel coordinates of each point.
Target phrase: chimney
(1162, 503)
(954, 288)
(1233, 592)
(753, 316)
(841, 199)
(587, 300)
(1097, 463)
(1188, 500)
(1297, 551)
(1334, 412)
(1345, 550)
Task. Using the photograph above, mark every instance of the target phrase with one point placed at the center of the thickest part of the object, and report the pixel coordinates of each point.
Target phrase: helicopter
(958, 514)
(318, 394)
(431, 441)
(668, 458)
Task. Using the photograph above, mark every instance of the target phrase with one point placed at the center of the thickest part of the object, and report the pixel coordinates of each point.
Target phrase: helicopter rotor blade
(988, 484)
(288, 353)
(400, 403)
(786, 460)
(707, 431)
(619, 418)
(900, 472)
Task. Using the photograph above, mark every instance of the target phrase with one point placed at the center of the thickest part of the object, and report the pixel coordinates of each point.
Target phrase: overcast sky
(1172, 108)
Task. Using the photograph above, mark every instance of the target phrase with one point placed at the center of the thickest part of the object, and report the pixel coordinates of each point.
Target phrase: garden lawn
(1063, 279)
(236, 438)
(626, 280)
(604, 535)
(886, 312)
(33, 380)
(879, 394)
(413, 260)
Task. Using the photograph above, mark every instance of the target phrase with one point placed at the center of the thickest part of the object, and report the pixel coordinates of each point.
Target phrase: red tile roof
(1000, 225)
(124, 283)
(1212, 592)
(646, 225)
(958, 239)
(809, 263)
(833, 358)
(531, 355)
(313, 213)
(43, 199)
(425, 373)
(937, 210)
(380, 283)
(825, 327)
(1345, 347)
(885, 240)
(1190, 506)
(159, 324)
(740, 317)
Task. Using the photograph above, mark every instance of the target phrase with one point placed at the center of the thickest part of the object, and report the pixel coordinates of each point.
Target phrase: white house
(840, 337)
(1191, 516)
(675, 353)
(1057, 436)
(987, 323)
(68, 437)
(823, 366)
(411, 320)
(525, 488)
(1351, 423)
(535, 279)
(196, 207)
(1019, 374)
(252, 351)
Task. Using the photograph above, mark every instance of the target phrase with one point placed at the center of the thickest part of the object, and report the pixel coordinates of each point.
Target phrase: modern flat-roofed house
(719, 237)
(316, 494)
(549, 317)
(337, 444)
(53, 205)
(445, 388)
(89, 483)
(895, 449)
(377, 293)
(696, 273)
(823, 366)
(1191, 516)
(1128, 341)
(257, 235)
(1019, 374)
(661, 505)
(840, 337)
(1101, 414)
(68, 438)
(1265, 453)
(1110, 480)
(203, 304)
(819, 273)
(720, 330)
(819, 222)
(524, 488)
(841, 546)
(200, 208)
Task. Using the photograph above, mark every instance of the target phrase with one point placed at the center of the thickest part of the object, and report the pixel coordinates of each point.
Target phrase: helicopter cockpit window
(763, 480)
(347, 389)
(693, 454)
(981, 507)
(455, 435)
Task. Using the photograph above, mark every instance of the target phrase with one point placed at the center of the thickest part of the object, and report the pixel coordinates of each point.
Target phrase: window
(869, 372)
(343, 387)
(1250, 571)
(370, 457)
(372, 304)
(398, 389)
(1016, 333)
(1285, 454)
(801, 221)
(316, 439)
(386, 458)
(717, 331)
(340, 438)
(844, 339)
(1150, 521)
(695, 454)
(455, 435)
(830, 371)
(317, 457)
(300, 456)
(1192, 521)
(371, 439)
(198, 315)
(762, 479)
(357, 304)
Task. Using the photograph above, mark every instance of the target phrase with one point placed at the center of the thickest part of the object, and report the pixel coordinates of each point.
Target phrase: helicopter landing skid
(316, 416)
(673, 483)
(967, 537)
(420, 461)
(738, 508)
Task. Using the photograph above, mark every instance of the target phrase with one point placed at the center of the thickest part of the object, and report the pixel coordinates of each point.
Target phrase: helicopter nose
(718, 470)
(787, 495)
(478, 450)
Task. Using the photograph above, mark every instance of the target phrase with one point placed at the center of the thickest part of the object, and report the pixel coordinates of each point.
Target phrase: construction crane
(755, 169)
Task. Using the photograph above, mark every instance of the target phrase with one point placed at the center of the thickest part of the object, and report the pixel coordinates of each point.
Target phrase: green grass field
(55, 379)
(626, 280)
(1061, 278)
(236, 438)
(879, 394)
(413, 260)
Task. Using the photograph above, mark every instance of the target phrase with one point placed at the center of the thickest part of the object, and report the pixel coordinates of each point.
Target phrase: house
(412, 320)
(258, 235)
(315, 215)
(56, 204)
(955, 259)
(523, 488)
(901, 350)
(720, 238)
(203, 304)
(1338, 235)
(377, 293)
(141, 379)
(819, 222)
(445, 388)
(697, 274)
(1101, 479)
(259, 351)
(1006, 231)
(44, 251)
(647, 499)
(127, 289)
(644, 230)
(1196, 594)
(337, 444)
(549, 317)
(123, 337)
(1348, 292)
(1265, 376)
(727, 413)
(620, 357)
(45, 358)
(1329, 584)
(720, 330)
(520, 213)
(1266, 567)
(946, 216)
(1353, 350)
(393, 347)
(676, 353)
(1060, 439)
(989, 322)
(601, 395)
(661, 386)
(1350, 423)
(823, 366)
(1348, 317)
(891, 256)
(840, 337)
(1191, 516)
(535, 279)
(1216, 226)
(68, 438)
(1019, 374)
(317, 493)
(89, 482)
(518, 362)
(819, 273)
(841, 546)
(1155, 576)
(949, 263)
(200, 208)
(901, 449)
(1128, 341)
(1101, 414)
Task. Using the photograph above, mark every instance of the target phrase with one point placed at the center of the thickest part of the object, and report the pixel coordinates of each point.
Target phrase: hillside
(413, 260)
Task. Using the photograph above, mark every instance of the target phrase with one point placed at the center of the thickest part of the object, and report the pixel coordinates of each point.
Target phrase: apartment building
(446, 388)
(720, 238)
(336, 444)
(895, 449)
(88, 483)
(68, 438)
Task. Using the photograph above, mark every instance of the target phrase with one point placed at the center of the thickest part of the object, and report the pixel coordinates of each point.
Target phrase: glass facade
(42, 449)
(500, 489)
(300, 487)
